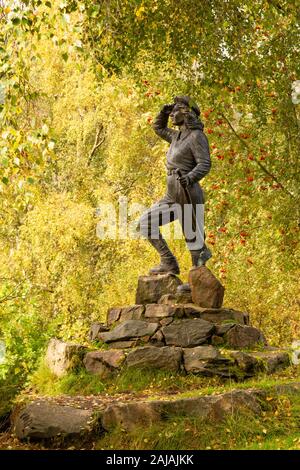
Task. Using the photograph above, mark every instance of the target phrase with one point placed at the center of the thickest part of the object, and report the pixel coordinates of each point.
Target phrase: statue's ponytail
(192, 121)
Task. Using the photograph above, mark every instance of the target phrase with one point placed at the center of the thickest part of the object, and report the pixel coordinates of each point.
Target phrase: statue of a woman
(188, 161)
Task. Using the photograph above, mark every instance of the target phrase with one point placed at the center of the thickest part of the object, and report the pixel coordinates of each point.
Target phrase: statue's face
(178, 113)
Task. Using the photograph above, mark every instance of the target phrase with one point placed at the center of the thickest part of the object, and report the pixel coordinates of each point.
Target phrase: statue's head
(185, 111)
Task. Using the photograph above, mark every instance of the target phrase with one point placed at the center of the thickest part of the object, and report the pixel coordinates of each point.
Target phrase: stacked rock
(186, 333)
(182, 333)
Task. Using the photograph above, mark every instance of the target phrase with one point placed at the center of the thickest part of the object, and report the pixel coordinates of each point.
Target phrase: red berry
(245, 136)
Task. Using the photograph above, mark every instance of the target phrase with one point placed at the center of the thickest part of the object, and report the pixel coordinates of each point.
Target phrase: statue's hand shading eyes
(168, 108)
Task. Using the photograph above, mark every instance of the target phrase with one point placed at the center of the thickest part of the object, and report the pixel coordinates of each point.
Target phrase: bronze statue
(188, 161)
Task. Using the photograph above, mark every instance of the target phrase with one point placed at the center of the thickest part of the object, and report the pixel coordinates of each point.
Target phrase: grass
(153, 382)
(9, 389)
(79, 382)
(276, 428)
(130, 380)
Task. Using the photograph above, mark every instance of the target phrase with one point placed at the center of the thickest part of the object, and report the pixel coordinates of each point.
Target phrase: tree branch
(10, 296)
(262, 167)
(126, 188)
(97, 143)
(277, 6)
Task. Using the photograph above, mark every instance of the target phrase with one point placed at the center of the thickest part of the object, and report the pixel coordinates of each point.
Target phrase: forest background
(80, 84)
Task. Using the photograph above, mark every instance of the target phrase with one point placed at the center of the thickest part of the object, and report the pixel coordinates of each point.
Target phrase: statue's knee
(140, 224)
(143, 226)
(137, 226)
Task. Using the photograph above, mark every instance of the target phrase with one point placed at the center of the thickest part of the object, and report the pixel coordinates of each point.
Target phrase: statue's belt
(179, 173)
(172, 171)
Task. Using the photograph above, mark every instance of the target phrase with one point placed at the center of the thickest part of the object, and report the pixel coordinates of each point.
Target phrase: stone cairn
(181, 333)
(184, 333)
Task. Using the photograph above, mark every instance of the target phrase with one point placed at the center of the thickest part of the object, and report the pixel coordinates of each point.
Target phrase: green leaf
(16, 21)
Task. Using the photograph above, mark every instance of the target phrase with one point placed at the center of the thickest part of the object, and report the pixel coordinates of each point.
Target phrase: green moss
(230, 321)
(98, 344)
(257, 347)
(236, 372)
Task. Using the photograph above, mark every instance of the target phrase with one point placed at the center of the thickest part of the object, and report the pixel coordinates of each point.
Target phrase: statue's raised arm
(160, 124)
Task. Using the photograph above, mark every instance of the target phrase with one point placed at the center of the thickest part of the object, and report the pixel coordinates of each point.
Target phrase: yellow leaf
(139, 12)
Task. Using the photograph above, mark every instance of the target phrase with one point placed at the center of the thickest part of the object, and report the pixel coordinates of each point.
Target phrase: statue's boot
(168, 262)
(199, 258)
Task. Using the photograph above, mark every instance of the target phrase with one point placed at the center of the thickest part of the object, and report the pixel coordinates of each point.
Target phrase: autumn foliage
(80, 86)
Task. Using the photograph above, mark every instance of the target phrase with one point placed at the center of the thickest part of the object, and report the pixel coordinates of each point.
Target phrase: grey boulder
(62, 357)
(151, 288)
(42, 420)
(187, 333)
(129, 329)
(164, 357)
(103, 363)
(242, 336)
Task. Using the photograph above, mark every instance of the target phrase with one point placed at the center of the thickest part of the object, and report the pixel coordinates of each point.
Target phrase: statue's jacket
(189, 151)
